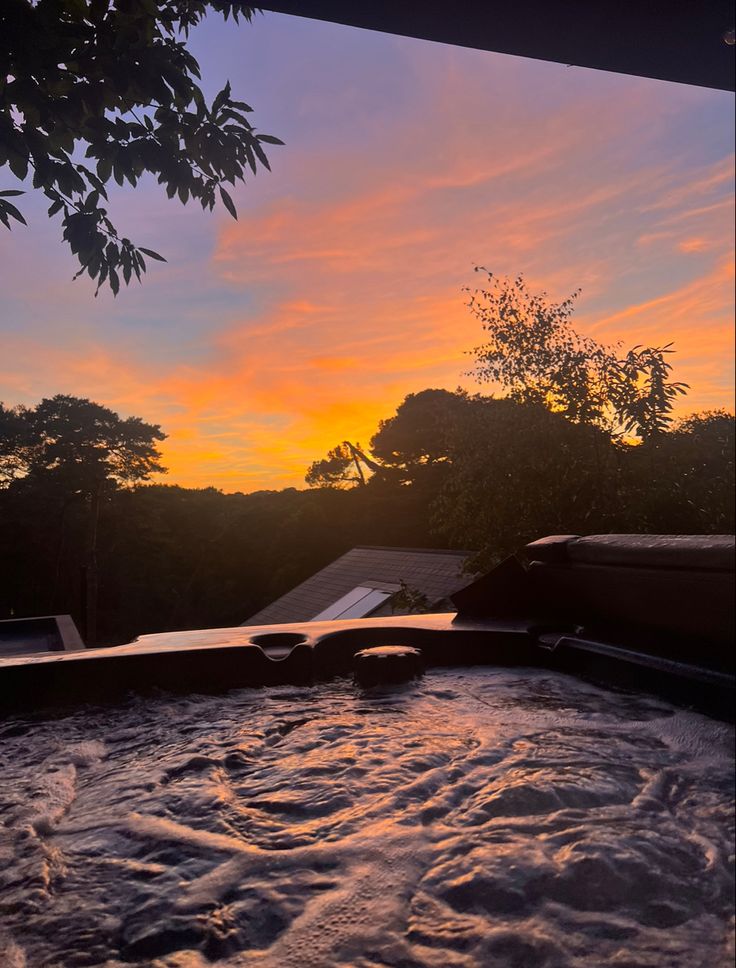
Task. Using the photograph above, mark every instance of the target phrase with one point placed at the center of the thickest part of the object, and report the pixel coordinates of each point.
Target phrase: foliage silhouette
(341, 468)
(535, 354)
(413, 441)
(517, 471)
(95, 91)
(15, 441)
(410, 600)
(69, 451)
(501, 472)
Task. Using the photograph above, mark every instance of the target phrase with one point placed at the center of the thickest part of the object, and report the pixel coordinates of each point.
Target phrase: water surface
(479, 818)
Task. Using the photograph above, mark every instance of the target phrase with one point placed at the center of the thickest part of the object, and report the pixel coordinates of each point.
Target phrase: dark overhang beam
(679, 40)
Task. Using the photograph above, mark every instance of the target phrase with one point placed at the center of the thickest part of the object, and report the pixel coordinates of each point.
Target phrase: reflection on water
(477, 818)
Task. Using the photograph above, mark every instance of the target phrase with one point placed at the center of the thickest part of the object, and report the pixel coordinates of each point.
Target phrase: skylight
(358, 603)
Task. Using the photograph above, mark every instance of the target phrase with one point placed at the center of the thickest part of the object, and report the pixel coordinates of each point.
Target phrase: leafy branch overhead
(99, 90)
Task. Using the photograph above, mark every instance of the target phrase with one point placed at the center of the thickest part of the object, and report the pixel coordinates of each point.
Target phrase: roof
(436, 574)
(674, 40)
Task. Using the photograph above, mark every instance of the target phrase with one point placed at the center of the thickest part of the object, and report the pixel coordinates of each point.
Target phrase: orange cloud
(334, 364)
(342, 293)
(694, 245)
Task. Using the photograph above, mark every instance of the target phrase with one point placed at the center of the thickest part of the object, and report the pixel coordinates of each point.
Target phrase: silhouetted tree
(415, 439)
(537, 356)
(80, 444)
(489, 475)
(81, 451)
(683, 481)
(114, 82)
(342, 468)
(517, 471)
(15, 439)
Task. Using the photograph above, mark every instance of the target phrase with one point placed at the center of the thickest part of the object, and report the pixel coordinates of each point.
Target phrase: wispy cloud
(339, 290)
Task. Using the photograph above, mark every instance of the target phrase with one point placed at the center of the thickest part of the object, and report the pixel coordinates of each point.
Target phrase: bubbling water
(478, 817)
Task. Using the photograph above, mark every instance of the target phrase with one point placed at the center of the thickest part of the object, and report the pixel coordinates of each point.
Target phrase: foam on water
(483, 817)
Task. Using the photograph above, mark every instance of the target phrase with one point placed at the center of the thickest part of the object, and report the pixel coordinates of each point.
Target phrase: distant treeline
(583, 442)
(81, 533)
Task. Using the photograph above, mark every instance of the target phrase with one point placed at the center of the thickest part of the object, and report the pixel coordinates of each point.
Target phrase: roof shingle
(436, 574)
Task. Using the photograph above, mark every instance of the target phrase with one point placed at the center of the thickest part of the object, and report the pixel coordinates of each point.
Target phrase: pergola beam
(673, 40)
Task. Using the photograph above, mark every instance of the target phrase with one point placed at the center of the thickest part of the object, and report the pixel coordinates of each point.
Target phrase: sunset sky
(264, 342)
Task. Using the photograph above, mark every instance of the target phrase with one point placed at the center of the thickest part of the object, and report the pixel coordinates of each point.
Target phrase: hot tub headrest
(689, 552)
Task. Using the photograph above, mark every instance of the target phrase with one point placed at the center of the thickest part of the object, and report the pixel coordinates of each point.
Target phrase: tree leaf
(221, 99)
(153, 255)
(13, 212)
(104, 169)
(261, 155)
(18, 165)
(228, 203)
